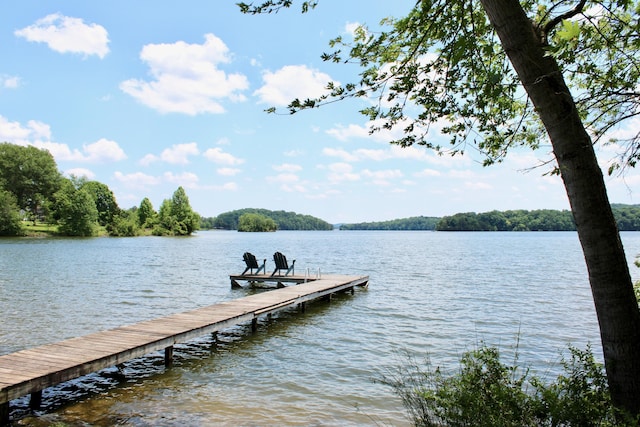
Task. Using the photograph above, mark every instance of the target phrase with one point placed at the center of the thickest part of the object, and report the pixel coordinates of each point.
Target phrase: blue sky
(146, 96)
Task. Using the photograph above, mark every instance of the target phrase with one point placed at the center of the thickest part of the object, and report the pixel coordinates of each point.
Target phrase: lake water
(431, 294)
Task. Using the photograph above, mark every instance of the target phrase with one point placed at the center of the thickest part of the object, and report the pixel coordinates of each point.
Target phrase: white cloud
(187, 78)
(287, 167)
(38, 134)
(228, 171)
(9, 82)
(100, 151)
(478, 186)
(293, 153)
(229, 186)
(427, 173)
(80, 172)
(461, 174)
(136, 180)
(298, 188)
(382, 177)
(284, 178)
(344, 133)
(290, 82)
(351, 27)
(217, 155)
(341, 154)
(66, 34)
(179, 153)
(383, 174)
(381, 154)
(339, 172)
(351, 131)
(15, 133)
(148, 159)
(103, 150)
(185, 179)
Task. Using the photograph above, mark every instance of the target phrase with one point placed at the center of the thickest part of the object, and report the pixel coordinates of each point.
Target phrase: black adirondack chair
(282, 264)
(252, 263)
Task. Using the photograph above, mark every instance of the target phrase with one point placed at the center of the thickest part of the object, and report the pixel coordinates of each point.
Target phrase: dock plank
(32, 370)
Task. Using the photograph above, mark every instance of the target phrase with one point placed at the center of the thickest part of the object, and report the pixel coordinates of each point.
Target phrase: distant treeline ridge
(627, 217)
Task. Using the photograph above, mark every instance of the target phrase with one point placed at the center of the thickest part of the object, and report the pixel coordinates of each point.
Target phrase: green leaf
(569, 31)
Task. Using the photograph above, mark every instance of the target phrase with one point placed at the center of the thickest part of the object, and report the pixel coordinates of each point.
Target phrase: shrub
(487, 392)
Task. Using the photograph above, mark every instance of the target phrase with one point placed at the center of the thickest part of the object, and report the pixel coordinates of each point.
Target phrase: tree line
(251, 219)
(32, 190)
(627, 218)
(413, 223)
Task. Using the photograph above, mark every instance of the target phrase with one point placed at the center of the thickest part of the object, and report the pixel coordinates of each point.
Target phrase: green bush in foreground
(487, 392)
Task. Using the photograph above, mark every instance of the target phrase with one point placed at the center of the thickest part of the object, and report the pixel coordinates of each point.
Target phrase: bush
(486, 392)
(10, 221)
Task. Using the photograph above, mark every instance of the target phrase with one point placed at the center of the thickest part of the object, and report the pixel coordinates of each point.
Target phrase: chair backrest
(281, 261)
(250, 260)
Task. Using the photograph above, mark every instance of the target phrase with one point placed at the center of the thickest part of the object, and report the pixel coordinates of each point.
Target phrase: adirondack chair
(252, 263)
(281, 264)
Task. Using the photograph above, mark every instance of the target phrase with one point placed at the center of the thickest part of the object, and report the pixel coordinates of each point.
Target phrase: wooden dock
(30, 371)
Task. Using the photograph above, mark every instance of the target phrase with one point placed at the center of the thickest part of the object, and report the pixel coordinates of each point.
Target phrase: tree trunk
(615, 303)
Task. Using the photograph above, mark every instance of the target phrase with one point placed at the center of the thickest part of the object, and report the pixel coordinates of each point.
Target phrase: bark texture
(611, 286)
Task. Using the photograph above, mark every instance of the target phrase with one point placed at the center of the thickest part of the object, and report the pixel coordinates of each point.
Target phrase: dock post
(303, 307)
(35, 400)
(254, 324)
(4, 414)
(168, 356)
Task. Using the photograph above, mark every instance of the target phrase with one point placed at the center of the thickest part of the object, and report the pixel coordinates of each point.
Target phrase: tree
(10, 223)
(30, 174)
(176, 217)
(466, 63)
(255, 222)
(146, 213)
(104, 199)
(124, 223)
(75, 211)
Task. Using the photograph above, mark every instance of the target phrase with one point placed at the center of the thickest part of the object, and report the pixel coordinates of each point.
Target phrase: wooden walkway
(30, 371)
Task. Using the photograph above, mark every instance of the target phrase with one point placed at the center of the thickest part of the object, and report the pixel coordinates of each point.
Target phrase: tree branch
(558, 19)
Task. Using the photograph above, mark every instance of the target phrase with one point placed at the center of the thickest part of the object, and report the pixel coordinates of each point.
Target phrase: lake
(431, 294)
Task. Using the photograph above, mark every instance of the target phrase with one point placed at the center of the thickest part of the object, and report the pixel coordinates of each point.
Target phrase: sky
(146, 96)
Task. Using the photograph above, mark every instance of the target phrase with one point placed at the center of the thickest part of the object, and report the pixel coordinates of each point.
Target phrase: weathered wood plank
(32, 370)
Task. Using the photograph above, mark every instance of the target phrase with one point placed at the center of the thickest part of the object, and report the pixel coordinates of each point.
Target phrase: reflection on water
(435, 294)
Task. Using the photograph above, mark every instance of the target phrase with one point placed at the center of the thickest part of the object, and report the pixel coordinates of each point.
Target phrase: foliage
(146, 214)
(253, 222)
(413, 223)
(104, 200)
(124, 223)
(30, 174)
(487, 392)
(445, 58)
(284, 220)
(76, 211)
(30, 181)
(627, 217)
(207, 223)
(518, 220)
(10, 221)
(175, 217)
